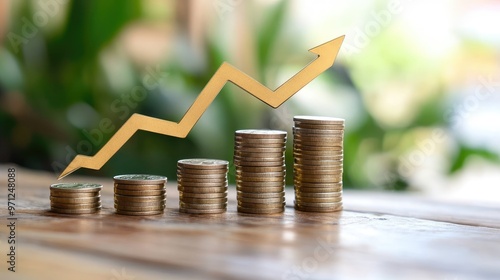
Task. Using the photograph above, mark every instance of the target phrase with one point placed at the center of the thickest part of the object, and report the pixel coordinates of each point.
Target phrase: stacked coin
(139, 194)
(259, 158)
(202, 185)
(75, 198)
(318, 158)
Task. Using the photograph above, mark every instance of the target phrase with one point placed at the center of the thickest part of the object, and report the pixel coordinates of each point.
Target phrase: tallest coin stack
(318, 163)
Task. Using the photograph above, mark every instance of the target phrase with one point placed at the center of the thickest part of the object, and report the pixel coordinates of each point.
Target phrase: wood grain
(378, 236)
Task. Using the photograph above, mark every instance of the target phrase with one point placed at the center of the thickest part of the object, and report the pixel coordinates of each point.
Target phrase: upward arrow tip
(329, 48)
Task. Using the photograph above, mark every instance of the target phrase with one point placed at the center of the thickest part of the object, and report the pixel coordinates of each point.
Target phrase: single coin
(183, 170)
(260, 133)
(261, 205)
(241, 194)
(313, 200)
(76, 187)
(259, 163)
(320, 126)
(314, 132)
(53, 192)
(318, 120)
(140, 187)
(141, 203)
(201, 190)
(318, 209)
(139, 213)
(202, 206)
(183, 195)
(202, 211)
(75, 211)
(261, 211)
(260, 141)
(75, 205)
(318, 189)
(140, 179)
(221, 176)
(260, 189)
(203, 163)
(241, 154)
(140, 193)
(258, 169)
(92, 199)
(129, 198)
(243, 183)
(300, 194)
(275, 200)
(260, 174)
(195, 200)
(139, 208)
(201, 184)
(318, 205)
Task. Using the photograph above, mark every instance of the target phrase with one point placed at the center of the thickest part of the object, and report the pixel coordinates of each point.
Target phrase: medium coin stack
(75, 198)
(202, 185)
(139, 194)
(318, 161)
(259, 158)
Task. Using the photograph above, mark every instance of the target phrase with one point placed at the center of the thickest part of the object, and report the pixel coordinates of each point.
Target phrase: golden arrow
(326, 52)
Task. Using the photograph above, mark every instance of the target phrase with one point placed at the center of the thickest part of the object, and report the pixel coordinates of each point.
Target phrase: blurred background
(418, 83)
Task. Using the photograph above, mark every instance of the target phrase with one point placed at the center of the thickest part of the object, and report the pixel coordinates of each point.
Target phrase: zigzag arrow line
(326, 52)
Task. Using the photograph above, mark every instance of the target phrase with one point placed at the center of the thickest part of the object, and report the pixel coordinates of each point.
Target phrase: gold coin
(139, 179)
(53, 192)
(195, 200)
(318, 205)
(202, 184)
(139, 213)
(313, 200)
(260, 141)
(309, 168)
(318, 153)
(259, 169)
(221, 176)
(264, 149)
(320, 180)
(319, 132)
(92, 199)
(261, 189)
(128, 198)
(261, 211)
(300, 194)
(305, 148)
(312, 162)
(75, 205)
(318, 209)
(318, 189)
(317, 172)
(274, 200)
(260, 174)
(140, 193)
(203, 163)
(242, 160)
(318, 120)
(240, 154)
(139, 208)
(261, 205)
(304, 156)
(202, 211)
(75, 187)
(260, 179)
(241, 194)
(202, 190)
(183, 195)
(183, 170)
(202, 206)
(261, 133)
(75, 211)
(140, 187)
(242, 183)
(141, 203)
(194, 181)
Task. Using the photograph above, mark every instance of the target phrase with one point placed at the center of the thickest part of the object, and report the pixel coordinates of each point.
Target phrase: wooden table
(377, 236)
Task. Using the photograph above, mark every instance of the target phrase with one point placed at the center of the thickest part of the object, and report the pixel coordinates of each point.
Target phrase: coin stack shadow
(202, 185)
(318, 158)
(75, 198)
(259, 158)
(140, 195)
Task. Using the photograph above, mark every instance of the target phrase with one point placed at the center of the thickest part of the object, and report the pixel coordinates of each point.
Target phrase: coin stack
(259, 158)
(75, 198)
(202, 185)
(318, 158)
(140, 195)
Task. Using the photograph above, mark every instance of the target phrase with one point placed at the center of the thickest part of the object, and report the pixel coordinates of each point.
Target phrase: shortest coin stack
(75, 198)
(140, 195)
(202, 185)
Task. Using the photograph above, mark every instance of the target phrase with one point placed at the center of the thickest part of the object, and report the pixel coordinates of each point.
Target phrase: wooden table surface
(377, 236)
